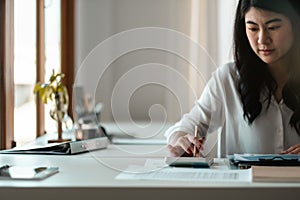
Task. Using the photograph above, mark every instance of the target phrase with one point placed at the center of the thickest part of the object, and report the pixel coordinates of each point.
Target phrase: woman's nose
(264, 37)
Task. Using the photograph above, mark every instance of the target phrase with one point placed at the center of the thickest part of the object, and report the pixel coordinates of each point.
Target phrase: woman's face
(270, 35)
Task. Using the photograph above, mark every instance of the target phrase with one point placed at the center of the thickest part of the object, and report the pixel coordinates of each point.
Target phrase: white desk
(92, 176)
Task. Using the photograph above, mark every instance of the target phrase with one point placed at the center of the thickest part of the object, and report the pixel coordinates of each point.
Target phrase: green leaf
(37, 88)
(52, 78)
(46, 90)
(42, 95)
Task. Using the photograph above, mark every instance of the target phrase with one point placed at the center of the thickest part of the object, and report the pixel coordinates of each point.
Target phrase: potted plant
(55, 94)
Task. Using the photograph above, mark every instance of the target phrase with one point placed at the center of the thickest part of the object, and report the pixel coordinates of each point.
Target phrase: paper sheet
(157, 170)
(186, 174)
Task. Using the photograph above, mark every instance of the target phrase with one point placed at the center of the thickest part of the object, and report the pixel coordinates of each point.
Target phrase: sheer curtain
(182, 42)
(212, 28)
(210, 33)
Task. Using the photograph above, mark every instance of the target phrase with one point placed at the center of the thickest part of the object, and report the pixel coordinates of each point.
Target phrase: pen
(196, 135)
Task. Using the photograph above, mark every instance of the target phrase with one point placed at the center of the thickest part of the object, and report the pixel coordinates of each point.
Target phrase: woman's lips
(266, 51)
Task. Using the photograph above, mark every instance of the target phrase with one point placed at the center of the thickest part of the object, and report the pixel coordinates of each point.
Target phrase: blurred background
(140, 85)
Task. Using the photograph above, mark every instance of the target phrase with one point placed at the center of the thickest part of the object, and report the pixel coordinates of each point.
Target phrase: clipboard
(244, 161)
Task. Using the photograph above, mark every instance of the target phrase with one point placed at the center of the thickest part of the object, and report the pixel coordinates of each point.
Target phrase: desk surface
(93, 175)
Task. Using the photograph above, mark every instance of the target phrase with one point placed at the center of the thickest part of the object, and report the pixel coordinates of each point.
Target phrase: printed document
(157, 172)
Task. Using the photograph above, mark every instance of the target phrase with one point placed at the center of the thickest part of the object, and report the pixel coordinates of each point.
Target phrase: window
(52, 49)
(24, 70)
(38, 30)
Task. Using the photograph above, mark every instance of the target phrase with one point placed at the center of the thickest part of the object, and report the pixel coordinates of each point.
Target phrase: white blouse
(220, 108)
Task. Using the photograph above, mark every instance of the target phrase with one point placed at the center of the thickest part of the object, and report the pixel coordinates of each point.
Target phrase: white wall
(97, 21)
(226, 14)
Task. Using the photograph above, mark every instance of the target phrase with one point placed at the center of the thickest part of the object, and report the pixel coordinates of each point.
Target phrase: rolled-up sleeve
(207, 112)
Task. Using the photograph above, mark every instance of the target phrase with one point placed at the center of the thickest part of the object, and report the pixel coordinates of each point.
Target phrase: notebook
(275, 174)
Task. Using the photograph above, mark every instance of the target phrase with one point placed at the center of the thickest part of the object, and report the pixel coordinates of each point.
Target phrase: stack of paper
(275, 174)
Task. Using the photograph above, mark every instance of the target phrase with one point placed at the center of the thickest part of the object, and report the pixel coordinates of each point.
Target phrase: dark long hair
(255, 77)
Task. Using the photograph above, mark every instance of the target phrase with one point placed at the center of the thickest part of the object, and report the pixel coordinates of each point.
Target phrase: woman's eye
(252, 29)
(272, 28)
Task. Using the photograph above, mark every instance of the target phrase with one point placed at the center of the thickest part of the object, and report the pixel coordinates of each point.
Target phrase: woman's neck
(280, 75)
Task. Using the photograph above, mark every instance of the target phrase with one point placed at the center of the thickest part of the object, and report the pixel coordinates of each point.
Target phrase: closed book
(275, 174)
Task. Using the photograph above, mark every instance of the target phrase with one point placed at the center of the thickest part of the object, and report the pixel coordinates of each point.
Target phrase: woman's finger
(185, 144)
(198, 142)
(292, 149)
(176, 151)
(296, 150)
(199, 154)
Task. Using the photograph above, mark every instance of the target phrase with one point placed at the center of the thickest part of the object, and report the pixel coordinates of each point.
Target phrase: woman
(255, 101)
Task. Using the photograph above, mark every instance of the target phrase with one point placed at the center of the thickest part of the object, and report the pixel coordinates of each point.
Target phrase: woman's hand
(292, 150)
(182, 144)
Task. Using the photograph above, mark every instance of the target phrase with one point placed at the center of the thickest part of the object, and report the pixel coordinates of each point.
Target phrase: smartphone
(196, 162)
(27, 173)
